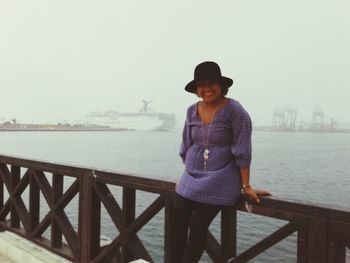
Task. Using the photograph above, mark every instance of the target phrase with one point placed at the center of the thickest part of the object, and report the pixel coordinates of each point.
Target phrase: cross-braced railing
(322, 233)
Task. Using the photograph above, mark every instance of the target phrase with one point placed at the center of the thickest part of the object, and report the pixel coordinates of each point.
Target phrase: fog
(60, 60)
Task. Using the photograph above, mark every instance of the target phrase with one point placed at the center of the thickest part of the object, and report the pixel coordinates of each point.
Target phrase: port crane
(284, 119)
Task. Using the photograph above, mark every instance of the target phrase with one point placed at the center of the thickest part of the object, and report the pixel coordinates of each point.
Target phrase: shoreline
(305, 131)
(121, 129)
(58, 130)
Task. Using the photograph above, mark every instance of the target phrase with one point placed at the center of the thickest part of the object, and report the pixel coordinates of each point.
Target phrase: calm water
(311, 167)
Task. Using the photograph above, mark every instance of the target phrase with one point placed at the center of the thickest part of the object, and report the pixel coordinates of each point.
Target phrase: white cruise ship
(144, 120)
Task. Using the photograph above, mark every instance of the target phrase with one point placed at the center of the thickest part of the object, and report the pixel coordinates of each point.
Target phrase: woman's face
(210, 92)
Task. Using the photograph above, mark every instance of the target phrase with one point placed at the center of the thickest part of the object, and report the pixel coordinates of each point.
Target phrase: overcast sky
(60, 60)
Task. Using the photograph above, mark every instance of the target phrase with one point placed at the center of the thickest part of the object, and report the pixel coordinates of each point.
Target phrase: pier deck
(5, 259)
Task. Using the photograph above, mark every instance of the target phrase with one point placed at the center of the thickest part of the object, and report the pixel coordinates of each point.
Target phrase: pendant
(206, 154)
(206, 157)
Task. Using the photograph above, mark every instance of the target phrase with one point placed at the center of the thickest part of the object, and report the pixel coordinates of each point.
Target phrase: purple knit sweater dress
(230, 148)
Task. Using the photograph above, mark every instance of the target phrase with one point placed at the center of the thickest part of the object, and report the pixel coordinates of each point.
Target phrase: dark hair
(224, 90)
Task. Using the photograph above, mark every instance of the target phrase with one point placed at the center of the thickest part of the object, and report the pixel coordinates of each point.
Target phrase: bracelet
(244, 186)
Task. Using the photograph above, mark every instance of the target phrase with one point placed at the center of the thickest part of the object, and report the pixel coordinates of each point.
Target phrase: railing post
(337, 236)
(228, 232)
(89, 219)
(1, 194)
(34, 203)
(129, 200)
(167, 228)
(302, 241)
(57, 191)
(15, 176)
(317, 240)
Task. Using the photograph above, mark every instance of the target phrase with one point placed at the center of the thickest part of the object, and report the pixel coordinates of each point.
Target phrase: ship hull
(139, 122)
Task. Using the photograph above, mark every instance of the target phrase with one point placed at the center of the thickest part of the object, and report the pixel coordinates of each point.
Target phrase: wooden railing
(322, 233)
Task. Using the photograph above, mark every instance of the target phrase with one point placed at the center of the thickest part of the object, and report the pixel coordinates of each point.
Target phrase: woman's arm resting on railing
(248, 190)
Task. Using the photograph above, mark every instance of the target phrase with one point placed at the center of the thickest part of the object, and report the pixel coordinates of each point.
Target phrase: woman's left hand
(254, 193)
(249, 191)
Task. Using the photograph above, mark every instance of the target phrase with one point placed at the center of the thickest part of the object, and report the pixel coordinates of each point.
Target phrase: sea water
(311, 167)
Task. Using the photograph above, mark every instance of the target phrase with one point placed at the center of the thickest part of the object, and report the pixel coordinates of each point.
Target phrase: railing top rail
(42, 165)
(105, 175)
(161, 186)
(307, 208)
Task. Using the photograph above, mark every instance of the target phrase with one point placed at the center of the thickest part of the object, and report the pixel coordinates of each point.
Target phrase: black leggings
(197, 217)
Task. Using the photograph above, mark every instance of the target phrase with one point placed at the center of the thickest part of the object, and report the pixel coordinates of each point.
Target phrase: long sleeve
(242, 139)
(186, 138)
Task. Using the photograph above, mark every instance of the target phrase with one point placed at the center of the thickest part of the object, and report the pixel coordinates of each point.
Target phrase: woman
(216, 151)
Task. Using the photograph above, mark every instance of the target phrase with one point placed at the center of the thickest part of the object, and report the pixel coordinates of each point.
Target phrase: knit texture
(230, 148)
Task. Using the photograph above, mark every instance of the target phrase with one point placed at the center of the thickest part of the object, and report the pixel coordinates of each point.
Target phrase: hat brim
(224, 81)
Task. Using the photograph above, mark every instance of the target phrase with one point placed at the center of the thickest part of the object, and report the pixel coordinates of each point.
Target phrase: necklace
(206, 141)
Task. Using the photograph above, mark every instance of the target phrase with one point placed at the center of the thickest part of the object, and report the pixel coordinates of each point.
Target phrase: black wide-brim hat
(208, 71)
